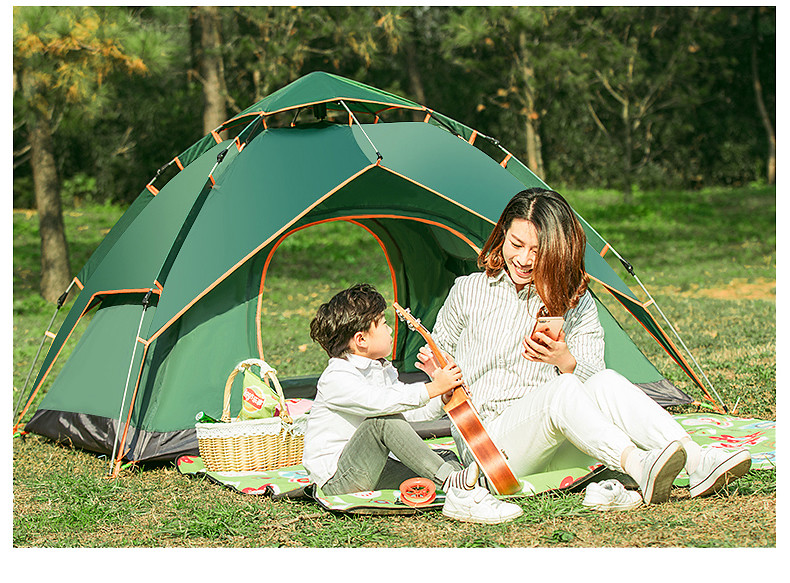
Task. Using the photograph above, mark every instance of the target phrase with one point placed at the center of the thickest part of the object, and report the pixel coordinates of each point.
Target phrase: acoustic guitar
(464, 416)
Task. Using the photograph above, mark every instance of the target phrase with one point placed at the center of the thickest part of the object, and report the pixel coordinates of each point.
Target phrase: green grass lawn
(708, 258)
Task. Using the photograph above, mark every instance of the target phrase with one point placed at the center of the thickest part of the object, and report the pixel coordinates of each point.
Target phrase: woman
(536, 394)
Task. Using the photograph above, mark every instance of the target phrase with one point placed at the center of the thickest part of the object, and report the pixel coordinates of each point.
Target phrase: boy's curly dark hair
(348, 312)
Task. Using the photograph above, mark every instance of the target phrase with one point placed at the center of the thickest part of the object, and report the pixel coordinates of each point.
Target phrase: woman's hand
(545, 349)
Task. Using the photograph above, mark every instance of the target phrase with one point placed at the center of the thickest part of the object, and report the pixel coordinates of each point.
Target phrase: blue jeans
(365, 464)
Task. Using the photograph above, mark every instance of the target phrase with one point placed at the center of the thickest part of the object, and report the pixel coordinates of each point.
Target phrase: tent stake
(146, 301)
(60, 302)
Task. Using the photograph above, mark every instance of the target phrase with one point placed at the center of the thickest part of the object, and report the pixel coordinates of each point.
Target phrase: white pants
(600, 417)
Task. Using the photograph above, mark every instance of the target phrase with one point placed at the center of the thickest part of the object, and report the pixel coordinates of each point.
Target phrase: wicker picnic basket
(254, 444)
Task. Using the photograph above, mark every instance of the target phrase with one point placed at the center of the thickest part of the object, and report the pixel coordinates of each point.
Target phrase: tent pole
(117, 450)
(630, 269)
(671, 327)
(115, 447)
(60, 302)
(356, 121)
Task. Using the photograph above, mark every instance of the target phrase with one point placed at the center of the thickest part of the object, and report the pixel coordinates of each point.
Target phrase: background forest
(623, 98)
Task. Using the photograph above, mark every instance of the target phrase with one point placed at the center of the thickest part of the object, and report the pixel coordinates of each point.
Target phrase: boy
(360, 414)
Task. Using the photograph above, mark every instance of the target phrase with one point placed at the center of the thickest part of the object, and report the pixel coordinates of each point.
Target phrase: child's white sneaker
(717, 468)
(610, 495)
(660, 467)
(478, 505)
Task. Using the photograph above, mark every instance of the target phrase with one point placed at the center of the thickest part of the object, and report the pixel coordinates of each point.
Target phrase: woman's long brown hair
(558, 275)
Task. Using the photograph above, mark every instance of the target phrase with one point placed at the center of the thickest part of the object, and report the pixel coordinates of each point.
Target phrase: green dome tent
(176, 286)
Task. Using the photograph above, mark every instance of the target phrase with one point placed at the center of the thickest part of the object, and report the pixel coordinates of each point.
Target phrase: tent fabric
(320, 87)
(198, 246)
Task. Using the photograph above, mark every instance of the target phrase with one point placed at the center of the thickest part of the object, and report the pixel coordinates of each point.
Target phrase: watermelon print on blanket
(275, 483)
(730, 432)
(709, 430)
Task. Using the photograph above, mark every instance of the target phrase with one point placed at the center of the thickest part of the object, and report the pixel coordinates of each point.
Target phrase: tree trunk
(758, 95)
(415, 79)
(628, 167)
(534, 145)
(55, 268)
(628, 140)
(211, 67)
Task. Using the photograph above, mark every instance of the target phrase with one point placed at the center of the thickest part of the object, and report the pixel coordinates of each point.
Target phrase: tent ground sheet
(709, 430)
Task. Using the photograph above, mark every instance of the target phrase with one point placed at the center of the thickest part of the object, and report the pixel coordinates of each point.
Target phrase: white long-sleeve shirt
(482, 324)
(350, 390)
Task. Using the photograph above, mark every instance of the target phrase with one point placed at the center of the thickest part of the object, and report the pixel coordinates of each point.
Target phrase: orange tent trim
(259, 309)
(88, 307)
(244, 259)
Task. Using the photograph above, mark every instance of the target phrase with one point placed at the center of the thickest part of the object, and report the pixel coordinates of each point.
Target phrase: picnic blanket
(709, 430)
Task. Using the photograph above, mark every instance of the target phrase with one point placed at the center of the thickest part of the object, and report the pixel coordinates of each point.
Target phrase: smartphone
(549, 325)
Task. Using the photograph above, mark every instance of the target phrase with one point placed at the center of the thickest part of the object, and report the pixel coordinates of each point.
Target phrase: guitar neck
(437, 354)
(463, 414)
(461, 393)
(417, 326)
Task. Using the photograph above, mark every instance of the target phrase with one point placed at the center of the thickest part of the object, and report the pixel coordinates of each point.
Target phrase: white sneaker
(610, 495)
(717, 468)
(660, 467)
(478, 505)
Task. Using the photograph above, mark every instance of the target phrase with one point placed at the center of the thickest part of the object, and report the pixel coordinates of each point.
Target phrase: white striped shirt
(482, 324)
